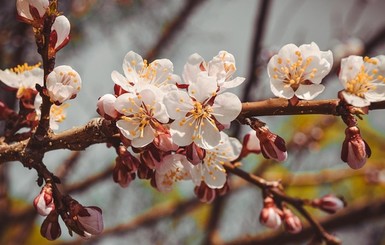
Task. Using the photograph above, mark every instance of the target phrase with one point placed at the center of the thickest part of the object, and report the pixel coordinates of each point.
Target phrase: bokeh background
(252, 30)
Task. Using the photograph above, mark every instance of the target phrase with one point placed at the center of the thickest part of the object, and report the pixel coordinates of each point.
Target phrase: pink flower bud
(145, 172)
(32, 11)
(63, 83)
(250, 144)
(291, 222)
(43, 202)
(50, 227)
(106, 107)
(122, 174)
(60, 33)
(272, 146)
(195, 154)
(165, 143)
(91, 219)
(329, 203)
(270, 214)
(355, 150)
(85, 221)
(204, 193)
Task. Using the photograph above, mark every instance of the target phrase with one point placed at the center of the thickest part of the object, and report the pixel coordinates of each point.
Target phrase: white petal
(10, 79)
(177, 103)
(232, 83)
(132, 66)
(147, 138)
(122, 81)
(309, 92)
(125, 128)
(279, 89)
(214, 176)
(204, 87)
(191, 68)
(127, 104)
(181, 133)
(355, 100)
(227, 107)
(209, 135)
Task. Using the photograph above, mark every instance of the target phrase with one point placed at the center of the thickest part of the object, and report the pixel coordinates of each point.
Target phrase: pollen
(24, 67)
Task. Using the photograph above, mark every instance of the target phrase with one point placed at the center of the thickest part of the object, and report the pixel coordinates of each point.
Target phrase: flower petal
(309, 92)
(227, 107)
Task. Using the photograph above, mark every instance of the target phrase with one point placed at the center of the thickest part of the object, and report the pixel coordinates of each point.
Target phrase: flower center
(57, 112)
(142, 118)
(19, 69)
(293, 73)
(173, 176)
(197, 118)
(363, 82)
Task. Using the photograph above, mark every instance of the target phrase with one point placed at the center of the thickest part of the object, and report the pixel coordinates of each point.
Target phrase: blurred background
(102, 32)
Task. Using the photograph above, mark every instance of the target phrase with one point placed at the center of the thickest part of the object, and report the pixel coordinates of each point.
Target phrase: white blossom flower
(60, 31)
(171, 169)
(211, 170)
(23, 78)
(298, 71)
(363, 79)
(57, 113)
(198, 111)
(31, 11)
(63, 83)
(142, 113)
(138, 73)
(222, 67)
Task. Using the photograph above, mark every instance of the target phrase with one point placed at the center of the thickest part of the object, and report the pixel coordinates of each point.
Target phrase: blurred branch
(148, 219)
(252, 78)
(173, 27)
(358, 212)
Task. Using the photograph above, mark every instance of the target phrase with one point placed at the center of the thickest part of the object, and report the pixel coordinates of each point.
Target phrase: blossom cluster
(174, 125)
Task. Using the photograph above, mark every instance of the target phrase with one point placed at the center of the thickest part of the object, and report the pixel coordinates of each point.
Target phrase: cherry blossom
(222, 67)
(32, 11)
(211, 170)
(23, 78)
(363, 79)
(298, 71)
(171, 169)
(199, 111)
(138, 73)
(63, 83)
(142, 114)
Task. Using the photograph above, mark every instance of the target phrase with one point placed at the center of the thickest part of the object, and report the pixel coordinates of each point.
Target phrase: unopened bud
(272, 146)
(122, 174)
(329, 203)
(60, 31)
(250, 144)
(106, 107)
(50, 227)
(43, 202)
(195, 154)
(355, 150)
(204, 193)
(291, 222)
(270, 214)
